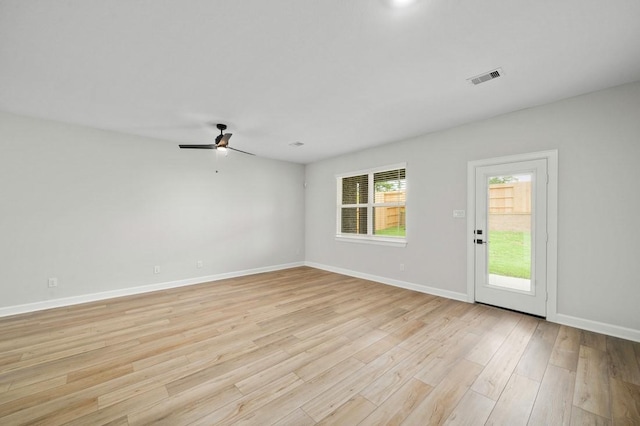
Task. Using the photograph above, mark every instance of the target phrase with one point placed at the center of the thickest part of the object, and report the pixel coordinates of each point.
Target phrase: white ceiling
(337, 75)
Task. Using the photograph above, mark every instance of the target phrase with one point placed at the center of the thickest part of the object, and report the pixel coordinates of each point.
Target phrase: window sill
(381, 241)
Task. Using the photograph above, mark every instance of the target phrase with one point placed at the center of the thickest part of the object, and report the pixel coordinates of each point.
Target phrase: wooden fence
(512, 197)
(510, 206)
(388, 217)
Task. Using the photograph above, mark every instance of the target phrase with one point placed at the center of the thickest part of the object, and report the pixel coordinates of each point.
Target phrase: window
(372, 205)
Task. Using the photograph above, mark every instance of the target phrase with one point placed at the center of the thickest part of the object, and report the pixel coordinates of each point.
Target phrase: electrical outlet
(52, 282)
(199, 264)
(156, 269)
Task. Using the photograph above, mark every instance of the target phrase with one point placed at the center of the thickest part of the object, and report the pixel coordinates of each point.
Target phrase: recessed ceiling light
(401, 3)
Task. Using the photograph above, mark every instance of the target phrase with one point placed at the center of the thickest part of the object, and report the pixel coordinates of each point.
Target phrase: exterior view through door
(510, 235)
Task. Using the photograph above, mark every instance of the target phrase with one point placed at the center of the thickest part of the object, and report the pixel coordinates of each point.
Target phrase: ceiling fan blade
(210, 146)
(239, 150)
(224, 140)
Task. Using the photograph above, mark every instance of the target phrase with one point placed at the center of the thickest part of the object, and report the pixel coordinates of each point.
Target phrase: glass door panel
(509, 231)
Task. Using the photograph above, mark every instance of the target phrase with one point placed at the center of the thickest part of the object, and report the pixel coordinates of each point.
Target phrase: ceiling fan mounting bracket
(221, 127)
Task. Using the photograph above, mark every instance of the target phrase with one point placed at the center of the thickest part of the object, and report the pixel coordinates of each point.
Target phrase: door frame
(552, 221)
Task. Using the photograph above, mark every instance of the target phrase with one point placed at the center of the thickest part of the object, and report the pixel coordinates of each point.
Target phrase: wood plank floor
(304, 347)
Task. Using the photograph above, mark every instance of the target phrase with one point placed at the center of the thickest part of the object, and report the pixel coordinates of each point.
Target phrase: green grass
(394, 231)
(510, 254)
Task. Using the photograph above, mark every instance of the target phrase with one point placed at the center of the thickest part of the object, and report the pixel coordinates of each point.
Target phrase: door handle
(479, 241)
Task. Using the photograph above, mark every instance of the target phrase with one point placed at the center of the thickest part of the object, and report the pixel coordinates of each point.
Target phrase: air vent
(296, 144)
(490, 75)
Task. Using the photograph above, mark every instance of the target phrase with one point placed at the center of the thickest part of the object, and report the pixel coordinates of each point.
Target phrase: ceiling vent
(296, 144)
(490, 75)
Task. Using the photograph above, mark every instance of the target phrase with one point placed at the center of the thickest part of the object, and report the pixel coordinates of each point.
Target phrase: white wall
(99, 209)
(598, 139)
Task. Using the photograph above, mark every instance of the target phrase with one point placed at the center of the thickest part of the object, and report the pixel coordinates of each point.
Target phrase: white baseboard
(85, 298)
(396, 283)
(599, 327)
(584, 324)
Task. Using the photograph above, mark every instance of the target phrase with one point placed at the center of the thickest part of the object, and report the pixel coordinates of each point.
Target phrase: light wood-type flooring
(303, 347)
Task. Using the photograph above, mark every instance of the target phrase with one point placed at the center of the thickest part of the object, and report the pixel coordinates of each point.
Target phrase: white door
(510, 235)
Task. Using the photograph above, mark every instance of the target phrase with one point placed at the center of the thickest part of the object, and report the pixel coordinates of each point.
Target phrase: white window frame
(369, 238)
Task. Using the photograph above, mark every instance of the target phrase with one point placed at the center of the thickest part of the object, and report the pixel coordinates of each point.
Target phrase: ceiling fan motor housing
(222, 128)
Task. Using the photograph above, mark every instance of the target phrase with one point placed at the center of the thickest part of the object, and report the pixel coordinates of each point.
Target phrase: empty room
(360, 212)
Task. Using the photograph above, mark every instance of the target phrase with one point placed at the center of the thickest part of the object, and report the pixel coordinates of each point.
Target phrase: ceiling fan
(222, 141)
